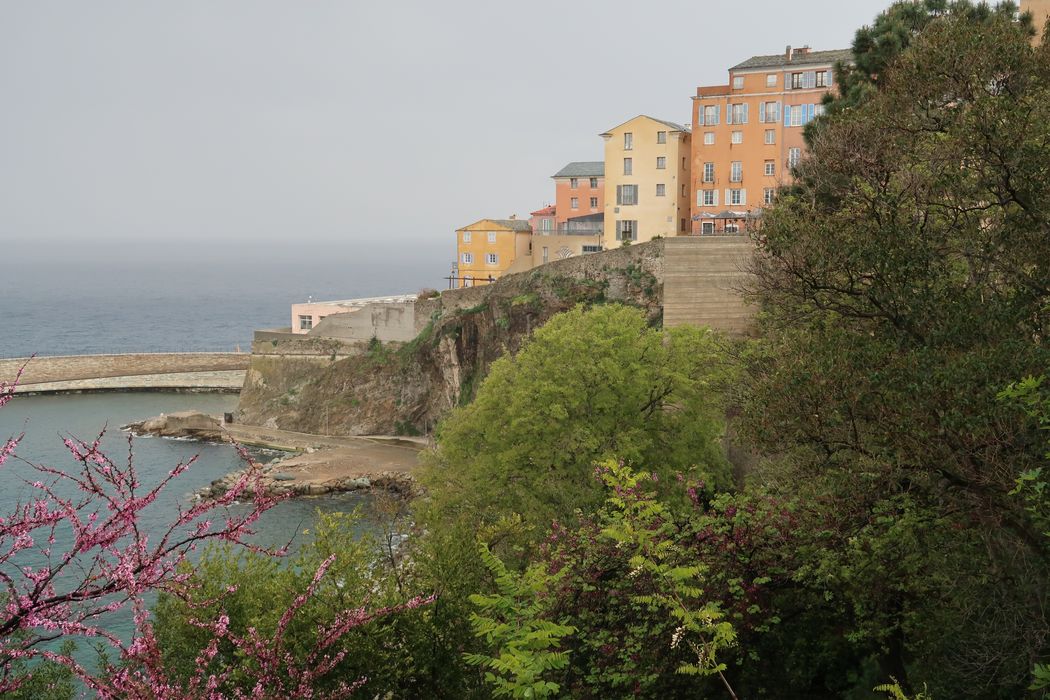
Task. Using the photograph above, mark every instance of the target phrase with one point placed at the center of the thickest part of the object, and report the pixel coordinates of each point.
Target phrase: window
(661, 137)
(822, 78)
(466, 236)
(594, 202)
(737, 114)
(592, 249)
(771, 136)
(736, 171)
(546, 254)
(738, 82)
(818, 110)
(492, 236)
(683, 163)
(683, 189)
(574, 182)
(707, 228)
(628, 140)
(627, 194)
(711, 115)
(306, 323)
(661, 163)
(767, 195)
(771, 80)
(708, 198)
(793, 115)
(468, 258)
(682, 226)
(574, 203)
(736, 197)
(626, 230)
(491, 259)
(709, 138)
(794, 156)
(770, 168)
(769, 112)
(709, 172)
(796, 81)
(594, 183)
(732, 227)
(546, 225)
(628, 166)
(738, 137)
(660, 190)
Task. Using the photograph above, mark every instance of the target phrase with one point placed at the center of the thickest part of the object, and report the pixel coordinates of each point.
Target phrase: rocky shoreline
(317, 465)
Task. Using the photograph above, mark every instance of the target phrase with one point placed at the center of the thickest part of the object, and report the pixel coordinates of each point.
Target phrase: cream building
(1040, 9)
(646, 180)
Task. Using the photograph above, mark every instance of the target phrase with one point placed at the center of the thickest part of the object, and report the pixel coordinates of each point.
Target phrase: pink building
(579, 190)
(543, 221)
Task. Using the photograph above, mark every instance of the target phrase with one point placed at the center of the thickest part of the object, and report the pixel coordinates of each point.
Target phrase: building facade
(579, 190)
(486, 249)
(747, 134)
(647, 178)
(543, 220)
(1040, 10)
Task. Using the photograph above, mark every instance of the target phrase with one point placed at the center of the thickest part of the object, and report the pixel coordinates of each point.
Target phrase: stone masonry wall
(74, 367)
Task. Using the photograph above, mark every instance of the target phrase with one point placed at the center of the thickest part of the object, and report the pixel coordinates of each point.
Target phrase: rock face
(405, 391)
(185, 424)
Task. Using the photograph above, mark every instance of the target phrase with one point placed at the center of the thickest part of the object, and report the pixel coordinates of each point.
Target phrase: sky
(272, 129)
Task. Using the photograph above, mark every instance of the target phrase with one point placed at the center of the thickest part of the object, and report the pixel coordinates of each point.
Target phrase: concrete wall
(394, 322)
(75, 367)
(285, 342)
(702, 278)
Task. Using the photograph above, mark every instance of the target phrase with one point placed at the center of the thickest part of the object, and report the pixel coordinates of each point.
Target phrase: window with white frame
(711, 115)
(794, 115)
(306, 323)
(628, 140)
(709, 138)
(661, 137)
(767, 195)
(574, 182)
(710, 198)
(818, 110)
(737, 114)
(738, 82)
(467, 258)
(628, 166)
(594, 183)
(574, 203)
(771, 136)
(594, 202)
(794, 156)
(709, 172)
(466, 236)
(661, 162)
(491, 259)
(822, 78)
(492, 236)
(770, 168)
(736, 197)
(626, 230)
(771, 80)
(736, 171)
(769, 112)
(660, 190)
(738, 137)
(796, 81)
(546, 225)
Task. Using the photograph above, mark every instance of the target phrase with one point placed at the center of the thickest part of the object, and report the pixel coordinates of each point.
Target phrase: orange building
(1040, 9)
(579, 190)
(747, 134)
(486, 249)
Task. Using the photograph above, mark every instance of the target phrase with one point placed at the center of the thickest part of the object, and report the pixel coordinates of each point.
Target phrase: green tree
(903, 282)
(589, 385)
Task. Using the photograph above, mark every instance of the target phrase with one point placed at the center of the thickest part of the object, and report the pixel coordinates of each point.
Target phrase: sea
(55, 305)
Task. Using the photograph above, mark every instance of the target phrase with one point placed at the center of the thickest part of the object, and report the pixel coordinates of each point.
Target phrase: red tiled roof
(546, 211)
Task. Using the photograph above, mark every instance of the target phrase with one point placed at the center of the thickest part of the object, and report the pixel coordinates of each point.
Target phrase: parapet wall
(283, 341)
(40, 370)
(388, 322)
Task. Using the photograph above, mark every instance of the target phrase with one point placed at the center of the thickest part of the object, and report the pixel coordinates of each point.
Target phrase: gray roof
(514, 224)
(582, 168)
(780, 60)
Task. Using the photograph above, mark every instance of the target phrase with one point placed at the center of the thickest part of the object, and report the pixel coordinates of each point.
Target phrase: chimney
(788, 53)
(804, 51)
(513, 217)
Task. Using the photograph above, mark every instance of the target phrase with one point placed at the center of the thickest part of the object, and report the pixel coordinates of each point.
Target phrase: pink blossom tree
(51, 593)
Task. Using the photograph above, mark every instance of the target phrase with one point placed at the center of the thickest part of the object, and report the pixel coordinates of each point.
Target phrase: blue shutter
(812, 109)
(787, 115)
(776, 113)
(831, 76)
(744, 120)
(718, 113)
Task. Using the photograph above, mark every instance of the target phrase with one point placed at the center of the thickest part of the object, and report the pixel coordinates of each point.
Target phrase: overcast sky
(323, 125)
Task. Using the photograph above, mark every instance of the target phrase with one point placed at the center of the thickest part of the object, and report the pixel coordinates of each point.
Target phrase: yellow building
(646, 180)
(1040, 9)
(486, 249)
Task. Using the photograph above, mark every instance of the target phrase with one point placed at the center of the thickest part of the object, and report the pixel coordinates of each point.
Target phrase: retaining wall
(703, 277)
(76, 367)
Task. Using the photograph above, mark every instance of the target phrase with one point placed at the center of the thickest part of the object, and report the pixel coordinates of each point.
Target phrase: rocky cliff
(405, 390)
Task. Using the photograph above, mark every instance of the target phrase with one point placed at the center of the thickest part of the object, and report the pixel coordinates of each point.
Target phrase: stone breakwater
(322, 464)
(159, 371)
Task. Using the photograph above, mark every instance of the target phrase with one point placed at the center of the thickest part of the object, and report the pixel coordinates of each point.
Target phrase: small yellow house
(486, 249)
(646, 180)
